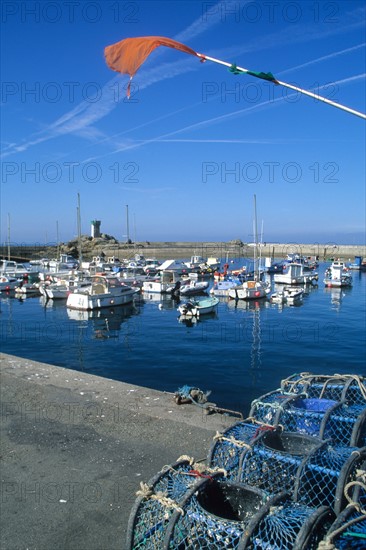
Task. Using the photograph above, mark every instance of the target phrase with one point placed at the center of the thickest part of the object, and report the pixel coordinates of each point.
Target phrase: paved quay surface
(74, 449)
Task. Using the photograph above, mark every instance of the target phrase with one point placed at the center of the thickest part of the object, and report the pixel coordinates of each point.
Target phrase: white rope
(147, 492)
(232, 440)
(356, 505)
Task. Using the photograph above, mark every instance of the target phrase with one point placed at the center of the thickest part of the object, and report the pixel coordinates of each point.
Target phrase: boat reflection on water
(248, 304)
(251, 331)
(337, 294)
(193, 320)
(51, 304)
(106, 322)
(162, 301)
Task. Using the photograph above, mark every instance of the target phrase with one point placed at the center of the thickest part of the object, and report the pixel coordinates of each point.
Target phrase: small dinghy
(196, 308)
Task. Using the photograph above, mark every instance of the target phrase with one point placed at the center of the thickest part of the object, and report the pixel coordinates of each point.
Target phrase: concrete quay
(74, 449)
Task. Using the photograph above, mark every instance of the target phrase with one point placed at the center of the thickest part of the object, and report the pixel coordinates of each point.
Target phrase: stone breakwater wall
(171, 250)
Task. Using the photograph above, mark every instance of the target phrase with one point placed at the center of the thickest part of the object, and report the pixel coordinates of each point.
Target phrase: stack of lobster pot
(290, 477)
(341, 422)
(183, 508)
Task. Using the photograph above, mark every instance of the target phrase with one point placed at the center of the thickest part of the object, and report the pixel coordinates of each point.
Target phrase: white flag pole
(295, 88)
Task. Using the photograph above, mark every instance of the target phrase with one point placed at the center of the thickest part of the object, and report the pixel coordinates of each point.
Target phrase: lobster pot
(150, 517)
(312, 470)
(324, 418)
(290, 526)
(227, 448)
(322, 479)
(274, 459)
(351, 389)
(215, 514)
(268, 407)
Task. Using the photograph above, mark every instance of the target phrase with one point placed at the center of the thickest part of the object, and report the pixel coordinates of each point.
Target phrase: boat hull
(84, 301)
(337, 283)
(8, 283)
(197, 308)
(250, 290)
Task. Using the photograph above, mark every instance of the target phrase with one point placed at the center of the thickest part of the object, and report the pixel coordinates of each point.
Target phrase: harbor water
(238, 354)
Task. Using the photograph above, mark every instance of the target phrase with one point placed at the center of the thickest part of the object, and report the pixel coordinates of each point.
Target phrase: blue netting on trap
(274, 460)
(343, 424)
(312, 470)
(228, 446)
(290, 526)
(216, 514)
(322, 479)
(150, 516)
(348, 532)
(349, 388)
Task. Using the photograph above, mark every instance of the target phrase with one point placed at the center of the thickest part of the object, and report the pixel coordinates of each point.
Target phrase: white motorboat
(294, 274)
(64, 262)
(289, 295)
(196, 308)
(195, 262)
(167, 282)
(222, 287)
(250, 290)
(64, 285)
(293, 295)
(101, 292)
(8, 267)
(337, 275)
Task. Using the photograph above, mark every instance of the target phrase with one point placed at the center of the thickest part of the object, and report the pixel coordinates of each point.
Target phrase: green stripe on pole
(264, 76)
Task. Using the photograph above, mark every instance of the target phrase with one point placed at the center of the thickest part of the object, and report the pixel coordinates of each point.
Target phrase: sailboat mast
(58, 242)
(8, 236)
(79, 230)
(128, 226)
(255, 238)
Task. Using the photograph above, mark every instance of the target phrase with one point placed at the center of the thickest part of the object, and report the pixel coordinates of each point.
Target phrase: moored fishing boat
(294, 273)
(250, 290)
(337, 275)
(102, 292)
(222, 287)
(168, 281)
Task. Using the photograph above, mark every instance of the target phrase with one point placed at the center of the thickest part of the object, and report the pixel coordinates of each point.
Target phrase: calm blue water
(239, 354)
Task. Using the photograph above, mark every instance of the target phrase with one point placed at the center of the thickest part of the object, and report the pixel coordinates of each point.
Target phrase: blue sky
(194, 143)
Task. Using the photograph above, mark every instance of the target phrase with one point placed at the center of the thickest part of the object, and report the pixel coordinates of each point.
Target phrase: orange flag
(128, 55)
